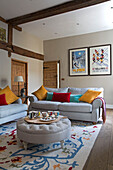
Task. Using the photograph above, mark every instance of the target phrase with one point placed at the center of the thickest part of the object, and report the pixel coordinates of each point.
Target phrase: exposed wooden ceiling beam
(27, 53)
(55, 10)
(20, 51)
(16, 27)
(10, 37)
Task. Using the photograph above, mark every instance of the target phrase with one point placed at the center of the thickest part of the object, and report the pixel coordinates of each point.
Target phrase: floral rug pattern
(47, 157)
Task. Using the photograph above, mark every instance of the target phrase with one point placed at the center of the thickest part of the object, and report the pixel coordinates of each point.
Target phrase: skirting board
(109, 106)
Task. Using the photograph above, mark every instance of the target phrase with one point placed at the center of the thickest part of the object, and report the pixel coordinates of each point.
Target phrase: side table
(24, 97)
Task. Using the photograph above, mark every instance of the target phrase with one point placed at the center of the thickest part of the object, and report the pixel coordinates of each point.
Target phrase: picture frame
(2, 34)
(78, 62)
(100, 60)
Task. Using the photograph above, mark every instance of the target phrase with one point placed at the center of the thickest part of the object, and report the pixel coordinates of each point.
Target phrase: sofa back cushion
(57, 90)
(83, 90)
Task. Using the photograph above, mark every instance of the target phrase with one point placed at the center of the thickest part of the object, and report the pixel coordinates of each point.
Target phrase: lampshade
(18, 79)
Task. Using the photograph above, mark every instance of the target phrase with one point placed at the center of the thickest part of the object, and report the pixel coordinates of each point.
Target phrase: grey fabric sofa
(13, 111)
(77, 111)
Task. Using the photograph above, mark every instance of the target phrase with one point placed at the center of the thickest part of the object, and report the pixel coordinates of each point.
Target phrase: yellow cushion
(10, 96)
(41, 93)
(89, 96)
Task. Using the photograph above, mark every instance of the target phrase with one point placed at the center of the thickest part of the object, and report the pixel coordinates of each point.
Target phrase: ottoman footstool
(43, 133)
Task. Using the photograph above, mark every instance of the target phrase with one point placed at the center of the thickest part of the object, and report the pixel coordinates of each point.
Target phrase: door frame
(26, 63)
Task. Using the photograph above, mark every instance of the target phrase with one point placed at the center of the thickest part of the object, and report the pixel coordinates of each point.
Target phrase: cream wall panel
(5, 69)
(58, 50)
(28, 41)
(35, 67)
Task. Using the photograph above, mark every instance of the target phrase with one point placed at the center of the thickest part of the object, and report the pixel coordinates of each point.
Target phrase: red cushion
(61, 97)
(2, 100)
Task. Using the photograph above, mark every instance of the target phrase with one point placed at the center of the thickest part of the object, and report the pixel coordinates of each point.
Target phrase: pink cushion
(61, 97)
(2, 100)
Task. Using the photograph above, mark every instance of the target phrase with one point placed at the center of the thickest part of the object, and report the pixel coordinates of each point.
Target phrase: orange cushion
(41, 93)
(10, 96)
(89, 96)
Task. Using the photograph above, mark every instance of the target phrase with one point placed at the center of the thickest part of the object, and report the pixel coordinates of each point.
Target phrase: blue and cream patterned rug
(48, 157)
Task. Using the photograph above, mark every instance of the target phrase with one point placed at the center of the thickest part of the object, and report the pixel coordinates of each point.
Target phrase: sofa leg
(18, 141)
(62, 143)
(25, 145)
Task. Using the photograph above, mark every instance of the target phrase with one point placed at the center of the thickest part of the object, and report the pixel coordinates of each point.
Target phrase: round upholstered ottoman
(43, 133)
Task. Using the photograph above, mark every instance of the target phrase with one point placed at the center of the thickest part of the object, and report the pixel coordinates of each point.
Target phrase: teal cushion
(75, 97)
(49, 96)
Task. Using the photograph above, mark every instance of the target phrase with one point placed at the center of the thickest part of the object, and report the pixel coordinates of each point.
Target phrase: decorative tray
(48, 119)
(40, 121)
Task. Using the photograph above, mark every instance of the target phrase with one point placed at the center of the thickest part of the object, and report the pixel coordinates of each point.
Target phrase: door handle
(45, 67)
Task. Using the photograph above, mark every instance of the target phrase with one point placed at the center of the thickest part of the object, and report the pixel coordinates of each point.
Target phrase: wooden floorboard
(101, 155)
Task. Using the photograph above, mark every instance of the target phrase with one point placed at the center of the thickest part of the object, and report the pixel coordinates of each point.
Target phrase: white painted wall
(35, 67)
(58, 50)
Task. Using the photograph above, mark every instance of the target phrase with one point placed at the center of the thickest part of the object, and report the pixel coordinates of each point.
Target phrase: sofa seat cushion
(12, 109)
(48, 105)
(75, 107)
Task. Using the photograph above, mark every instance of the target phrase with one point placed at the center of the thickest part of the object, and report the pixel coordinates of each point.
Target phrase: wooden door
(19, 68)
(51, 74)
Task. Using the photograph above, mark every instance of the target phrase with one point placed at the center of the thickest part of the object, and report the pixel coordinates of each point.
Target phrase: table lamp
(18, 79)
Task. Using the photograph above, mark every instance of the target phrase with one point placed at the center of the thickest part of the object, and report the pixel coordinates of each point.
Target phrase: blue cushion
(49, 96)
(75, 97)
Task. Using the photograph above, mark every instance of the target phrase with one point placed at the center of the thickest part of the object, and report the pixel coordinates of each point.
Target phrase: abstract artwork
(100, 60)
(78, 62)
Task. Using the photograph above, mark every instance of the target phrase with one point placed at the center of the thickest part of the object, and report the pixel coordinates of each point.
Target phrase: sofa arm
(19, 101)
(33, 99)
(97, 103)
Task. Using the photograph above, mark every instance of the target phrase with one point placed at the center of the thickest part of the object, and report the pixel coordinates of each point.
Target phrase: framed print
(100, 60)
(78, 62)
(2, 34)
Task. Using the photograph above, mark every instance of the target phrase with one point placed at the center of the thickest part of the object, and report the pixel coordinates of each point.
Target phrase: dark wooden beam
(10, 34)
(5, 46)
(10, 37)
(20, 51)
(16, 27)
(55, 10)
(27, 53)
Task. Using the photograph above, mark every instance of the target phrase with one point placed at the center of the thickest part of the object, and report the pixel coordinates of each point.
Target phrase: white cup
(44, 114)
